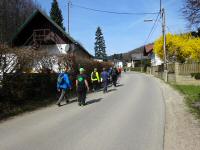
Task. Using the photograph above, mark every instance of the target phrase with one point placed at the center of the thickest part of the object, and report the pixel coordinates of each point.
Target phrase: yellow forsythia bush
(183, 46)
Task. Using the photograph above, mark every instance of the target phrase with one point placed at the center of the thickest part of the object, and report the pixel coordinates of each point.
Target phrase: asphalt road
(129, 117)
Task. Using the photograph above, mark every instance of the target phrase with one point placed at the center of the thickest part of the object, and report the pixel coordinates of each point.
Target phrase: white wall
(99, 60)
(155, 60)
(119, 64)
(56, 49)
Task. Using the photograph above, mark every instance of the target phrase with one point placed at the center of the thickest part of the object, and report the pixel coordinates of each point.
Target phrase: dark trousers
(95, 85)
(105, 86)
(114, 80)
(81, 96)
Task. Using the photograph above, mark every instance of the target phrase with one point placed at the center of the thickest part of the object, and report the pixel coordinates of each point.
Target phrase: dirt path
(182, 130)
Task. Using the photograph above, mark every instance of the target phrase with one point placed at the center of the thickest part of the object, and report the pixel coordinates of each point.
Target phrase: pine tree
(56, 14)
(100, 47)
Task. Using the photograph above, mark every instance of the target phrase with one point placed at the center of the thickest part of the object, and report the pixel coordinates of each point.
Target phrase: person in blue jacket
(63, 85)
(104, 79)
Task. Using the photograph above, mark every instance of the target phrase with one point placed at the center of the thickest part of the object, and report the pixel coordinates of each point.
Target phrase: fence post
(150, 71)
(166, 75)
(177, 71)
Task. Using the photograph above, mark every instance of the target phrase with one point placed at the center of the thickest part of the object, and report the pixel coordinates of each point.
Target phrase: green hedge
(27, 91)
(137, 69)
(28, 86)
(196, 75)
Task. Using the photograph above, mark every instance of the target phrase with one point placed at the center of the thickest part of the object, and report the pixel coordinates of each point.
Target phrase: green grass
(192, 95)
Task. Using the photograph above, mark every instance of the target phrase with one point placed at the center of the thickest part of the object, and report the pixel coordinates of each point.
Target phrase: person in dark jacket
(105, 78)
(110, 75)
(63, 84)
(82, 87)
(114, 76)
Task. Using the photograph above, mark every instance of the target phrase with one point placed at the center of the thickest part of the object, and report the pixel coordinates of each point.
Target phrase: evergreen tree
(56, 14)
(100, 47)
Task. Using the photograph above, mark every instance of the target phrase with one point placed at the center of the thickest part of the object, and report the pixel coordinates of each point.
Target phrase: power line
(152, 29)
(168, 28)
(114, 12)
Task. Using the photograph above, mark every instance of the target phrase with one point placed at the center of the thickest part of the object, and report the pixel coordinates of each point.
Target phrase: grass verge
(192, 97)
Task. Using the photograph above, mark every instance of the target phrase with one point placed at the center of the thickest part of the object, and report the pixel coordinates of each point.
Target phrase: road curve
(129, 117)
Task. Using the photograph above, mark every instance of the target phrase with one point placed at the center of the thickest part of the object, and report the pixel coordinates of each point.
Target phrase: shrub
(196, 75)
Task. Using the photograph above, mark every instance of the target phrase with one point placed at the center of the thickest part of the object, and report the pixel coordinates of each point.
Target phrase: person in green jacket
(95, 79)
(82, 87)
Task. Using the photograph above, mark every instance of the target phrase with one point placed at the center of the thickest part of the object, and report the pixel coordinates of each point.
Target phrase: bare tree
(12, 14)
(191, 11)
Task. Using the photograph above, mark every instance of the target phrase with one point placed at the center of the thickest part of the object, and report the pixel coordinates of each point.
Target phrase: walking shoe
(67, 101)
(58, 104)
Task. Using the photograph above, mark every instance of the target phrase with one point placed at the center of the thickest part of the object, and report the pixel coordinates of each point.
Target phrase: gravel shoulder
(182, 130)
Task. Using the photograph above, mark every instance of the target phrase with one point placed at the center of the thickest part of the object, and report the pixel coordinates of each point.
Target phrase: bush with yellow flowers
(182, 47)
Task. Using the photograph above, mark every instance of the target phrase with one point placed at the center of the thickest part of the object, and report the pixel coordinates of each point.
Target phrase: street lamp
(148, 20)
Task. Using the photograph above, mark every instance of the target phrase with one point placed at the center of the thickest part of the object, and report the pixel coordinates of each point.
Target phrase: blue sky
(122, 33)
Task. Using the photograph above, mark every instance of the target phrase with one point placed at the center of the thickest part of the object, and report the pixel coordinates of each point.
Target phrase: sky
(122, 33)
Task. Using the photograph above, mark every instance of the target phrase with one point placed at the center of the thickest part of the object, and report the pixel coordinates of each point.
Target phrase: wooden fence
(171, 68)
(177, 73)
(187, 69)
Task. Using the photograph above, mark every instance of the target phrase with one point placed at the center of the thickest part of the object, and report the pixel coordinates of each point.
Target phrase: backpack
(60, 79)
(114, 72)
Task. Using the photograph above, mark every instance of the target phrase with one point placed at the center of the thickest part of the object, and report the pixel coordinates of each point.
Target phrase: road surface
(129, 117)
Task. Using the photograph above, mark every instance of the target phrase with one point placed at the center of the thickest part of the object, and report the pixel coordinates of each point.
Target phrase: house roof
(137, 50)
(148, 48)
(34, 14)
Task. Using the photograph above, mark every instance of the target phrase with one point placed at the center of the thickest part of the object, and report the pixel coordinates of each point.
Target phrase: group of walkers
(64, 84)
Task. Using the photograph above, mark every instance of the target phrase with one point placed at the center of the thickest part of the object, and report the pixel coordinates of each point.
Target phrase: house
(149, 51)
(138, 58)
(118, 63)
(40, 32)
(98, 59)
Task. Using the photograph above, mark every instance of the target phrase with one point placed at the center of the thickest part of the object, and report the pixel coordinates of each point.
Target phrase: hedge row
(27, 91)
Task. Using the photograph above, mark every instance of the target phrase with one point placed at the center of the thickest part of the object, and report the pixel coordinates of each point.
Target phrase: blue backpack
(60, 79)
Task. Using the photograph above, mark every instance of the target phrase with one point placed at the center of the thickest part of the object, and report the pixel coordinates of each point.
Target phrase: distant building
(118, 63)
(138, 58)
(149, 51)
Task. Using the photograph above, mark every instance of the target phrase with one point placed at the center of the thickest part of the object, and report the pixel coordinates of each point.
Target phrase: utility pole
(160, 5)
(162, 13)
(141, 64)
(68, 20)
(164, 37)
